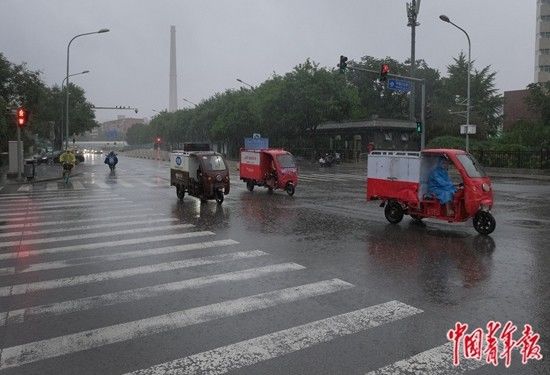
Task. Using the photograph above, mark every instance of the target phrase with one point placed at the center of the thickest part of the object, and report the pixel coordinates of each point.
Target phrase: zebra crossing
(88, 255)
(84, 183)
(78, 183)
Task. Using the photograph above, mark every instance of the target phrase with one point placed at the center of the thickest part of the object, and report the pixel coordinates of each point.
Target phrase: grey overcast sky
(219, 41)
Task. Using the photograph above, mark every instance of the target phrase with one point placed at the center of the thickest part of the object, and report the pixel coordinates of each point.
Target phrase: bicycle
(67, 172)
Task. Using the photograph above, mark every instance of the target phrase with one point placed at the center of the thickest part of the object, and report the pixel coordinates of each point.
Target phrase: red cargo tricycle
(400, 180)
(273, 168)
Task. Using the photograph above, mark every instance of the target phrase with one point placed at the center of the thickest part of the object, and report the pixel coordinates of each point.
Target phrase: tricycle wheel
(290, 189)
(394, 212)
(250, 185)
(416, 218)
(219, 196)
(180, 191)
(484, 222)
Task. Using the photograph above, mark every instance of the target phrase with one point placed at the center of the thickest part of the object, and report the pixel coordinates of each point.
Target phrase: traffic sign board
(467, 129)
(399, 85)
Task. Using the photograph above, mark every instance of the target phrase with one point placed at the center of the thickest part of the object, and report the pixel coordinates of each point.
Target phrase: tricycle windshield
(213, 163)
(286, 161)
(472, 166)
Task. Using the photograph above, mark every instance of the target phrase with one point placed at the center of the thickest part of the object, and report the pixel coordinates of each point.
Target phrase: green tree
(538, 100)
(485, 102)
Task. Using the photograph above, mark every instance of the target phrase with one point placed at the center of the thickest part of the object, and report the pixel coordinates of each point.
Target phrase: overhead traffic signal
(22, 115)
(419, 127)
(384, 70)
(343, 64)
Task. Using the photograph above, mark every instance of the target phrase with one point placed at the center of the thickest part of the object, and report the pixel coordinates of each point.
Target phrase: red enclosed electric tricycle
(273, 168)
(400, 180)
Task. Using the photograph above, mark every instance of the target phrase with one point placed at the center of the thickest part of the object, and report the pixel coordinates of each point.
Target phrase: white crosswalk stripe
(87, 303)
(42, 217)
(124, 183)
(101, 245)
(273, 345)
(77, 185)
(118, 256)
(51, 186)
(84, 227)
(118, 274)
(435, 361)
(50, 348)
(26, 187)
(43, 211)
(60, 203)
(92, 235)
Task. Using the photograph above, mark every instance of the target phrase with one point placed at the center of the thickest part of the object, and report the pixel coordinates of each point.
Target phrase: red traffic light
(384, 70)
(22, 116)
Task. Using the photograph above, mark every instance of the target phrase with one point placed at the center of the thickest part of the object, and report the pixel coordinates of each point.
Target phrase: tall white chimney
(173, 87)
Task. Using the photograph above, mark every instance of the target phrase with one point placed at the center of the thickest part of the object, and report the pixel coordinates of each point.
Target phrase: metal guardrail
(535, 159)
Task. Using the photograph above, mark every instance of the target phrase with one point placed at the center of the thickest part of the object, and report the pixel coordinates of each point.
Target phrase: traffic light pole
(19, 151)
(423, 109)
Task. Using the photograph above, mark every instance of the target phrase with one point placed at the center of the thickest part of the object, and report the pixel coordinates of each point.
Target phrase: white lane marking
(93, 302)
(41, 223)
(86, 227)
(61, 203)
(71, 206)
(82, 236)
(246, 353)
(26, 187)
(51, 186)
(149, 184)
(18, 289)
(50, 348)
(118, 256)
(77, 185)
(435, 361)
(43, 194)
(101, 245)
(37, 218)
(124, 183)
(101, 185)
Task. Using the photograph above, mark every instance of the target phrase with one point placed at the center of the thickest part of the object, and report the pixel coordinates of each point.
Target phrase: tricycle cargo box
(253, 163)
(393, 175)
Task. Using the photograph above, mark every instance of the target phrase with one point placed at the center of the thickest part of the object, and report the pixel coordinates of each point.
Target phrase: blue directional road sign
(399, 85)
(256, 143)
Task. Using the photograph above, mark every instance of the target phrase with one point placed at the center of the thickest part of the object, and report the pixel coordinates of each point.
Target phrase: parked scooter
(111, 160)
(326, 161)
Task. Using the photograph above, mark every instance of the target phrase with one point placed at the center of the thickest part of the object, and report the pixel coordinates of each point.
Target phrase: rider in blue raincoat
(112, 156)
(440, 184)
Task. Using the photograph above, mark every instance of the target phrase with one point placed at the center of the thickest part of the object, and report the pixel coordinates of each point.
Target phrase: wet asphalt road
(318, 283)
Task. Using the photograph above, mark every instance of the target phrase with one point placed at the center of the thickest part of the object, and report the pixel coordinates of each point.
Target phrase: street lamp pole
(62, 107)
(446, 19)
(67, 79)
(244, 83)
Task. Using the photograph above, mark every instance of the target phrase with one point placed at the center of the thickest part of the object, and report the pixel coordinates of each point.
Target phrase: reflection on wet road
(120, 276)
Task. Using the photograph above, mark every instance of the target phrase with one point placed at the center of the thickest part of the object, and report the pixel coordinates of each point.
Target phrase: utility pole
(412, 13)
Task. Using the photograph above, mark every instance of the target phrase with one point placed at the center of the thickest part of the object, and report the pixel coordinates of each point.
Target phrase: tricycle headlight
(486, 187)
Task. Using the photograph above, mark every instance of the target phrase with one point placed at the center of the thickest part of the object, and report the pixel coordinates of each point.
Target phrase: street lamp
(67, 78)
(62, 110)
(189, 101)
(244, 83)
(444, 18)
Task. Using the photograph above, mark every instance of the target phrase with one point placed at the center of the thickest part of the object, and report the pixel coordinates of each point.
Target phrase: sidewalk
(43, 173)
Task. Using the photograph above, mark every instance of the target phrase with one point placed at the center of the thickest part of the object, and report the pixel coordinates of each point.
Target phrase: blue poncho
(440, 184)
